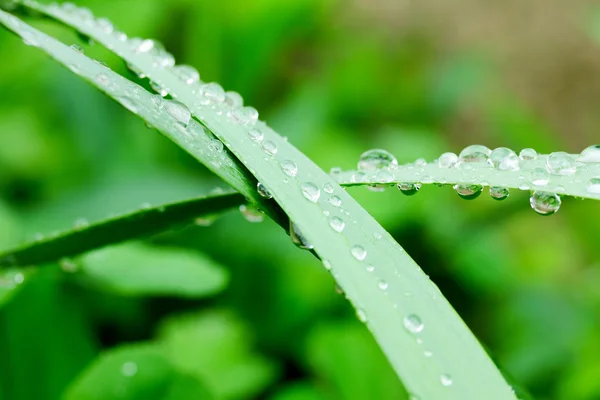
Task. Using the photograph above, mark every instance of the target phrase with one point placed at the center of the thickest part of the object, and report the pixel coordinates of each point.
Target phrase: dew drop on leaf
(504, 159)
(468, 192)
(539, 177)
(211, 94)
(361, 315)
(474, 154)
(499, 193)
(328, 187)
(269, 147)
(178, 111)
(358, 252)
(376, 159)
(446, 380)
(334, 200)
(310, 191)
(251, 213)
(447, 160)
(593, 186)
(413, 323)
(528, 154)
(545, 203)
(561, 163)
(289, 168)
(409, 189)
(298, 237)
(244, 115)
(590, 155)
(233, 100)
(337, 224)
(382, 284)
(186, 73)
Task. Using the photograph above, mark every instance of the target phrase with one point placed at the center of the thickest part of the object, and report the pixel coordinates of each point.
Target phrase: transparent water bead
(178, 111)
(384, 176)
(104, 25)
(382, 285)
(593, 186)
(376, 159)
(263, 191)
(413, 323)
(215, 145)
(269, 147)
(337, 224)
(447, 160)
(211, 94)
(361, 315)
(561, 163)
(409, 189)
(468, 192)
(446, 380)
(310, 191)
(328, 187)
(334, 200)
(139, 45)
(539, 177)
(474, 154)
(244, 115)
(327, 265)
(77, 48)
(504, 159)
(233, 100)
(159, 89)
(359, 177)
(251, 213)
(289, 168)
(499, 193)
(545, 203)
(187, 74)
(590, 155)
(358, 252)
(528, 154)
(298, 238)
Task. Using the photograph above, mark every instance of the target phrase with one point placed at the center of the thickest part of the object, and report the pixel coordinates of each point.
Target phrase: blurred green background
(234, 310)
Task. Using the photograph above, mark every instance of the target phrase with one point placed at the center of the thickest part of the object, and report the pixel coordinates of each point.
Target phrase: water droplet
(499, 193)
(328, 187)
(382, 284)
(159, 89)
(561, 163)
(104, 25)
(384, 176)
(298, 238)
(233, 100)
(215, 145)
(528, 154)
(77, 48)
(103, 79)
(334, 200)
(446, 380)
(188, 74)
(447, 160)
(590, 155)
(378, 235)
(255, 135)
(289, 168)
(545, 203)
(593, 186)
(359, 177)
(409, 189)
(427, 353)
(413, 324)
(361, 315)
(420, 162)
(327, 265)
(251, 213)
(376, 159)
(129, 369)
(370, 268)
(337, 224)
(468, 192)
(474, 154)
(504, 159)
(263, 191)
(310, 191)
(178, 111)
(358, 252)
(269, 147)
(539, 177)
(244, 115)
(211, 94)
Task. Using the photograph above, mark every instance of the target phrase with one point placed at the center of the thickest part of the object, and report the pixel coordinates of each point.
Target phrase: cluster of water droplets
(380, 166)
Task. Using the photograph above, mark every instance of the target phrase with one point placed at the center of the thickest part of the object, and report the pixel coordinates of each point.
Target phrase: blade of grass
(404, 310)
(137, 224)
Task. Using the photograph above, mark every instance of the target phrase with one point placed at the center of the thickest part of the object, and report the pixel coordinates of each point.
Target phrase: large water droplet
(528, 154)
(178, 111)
(337, 224)
(561, 163)
(409, 189)
(474, 154)
(298, 238)
(186, 73)
(358, 252)
(244, 115)
(593, 186)
(289, 168)
(545, 203)
(499, 193)
(251, 213)
(413, 323)
(504, 159)
(263, 191)
(590, 155)
(310, 191)
(211, 94)
(447, 160)
(446, 380)
(468, 192)
(539, 177)
(376, 159)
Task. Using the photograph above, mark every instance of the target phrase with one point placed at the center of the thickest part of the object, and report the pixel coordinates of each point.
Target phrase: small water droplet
(215, 145)
(447, 160)
(129, 369)
(539, 177)
(334, 200)
(310, 191)
(499, 193)
(361, 315)
(337, 224)
(545, 203)
(251, 213)
(263, 191)
(289, 168)
(178, 111)
(358, 252)
(233, 100)
(528, 154)
(370, 268)
(446, 380)
(468, 192)
(376, 159)
(104, 25)
(211, 94)
(378, 235)
(187, 74)
(413, 323)
(255, 135)
(327, 265)
(504, 159)
(593, 186)
(384, 176)
(359, 177)
(298, 237)
(77, 48)
(474, 154)
(269, 147)
(328, 187)
(427, 353)
(408, 188)
(244, 115)
(382, 284)
(561, 163)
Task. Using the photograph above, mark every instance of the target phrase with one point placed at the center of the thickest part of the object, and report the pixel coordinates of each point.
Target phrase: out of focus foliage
(234, 310)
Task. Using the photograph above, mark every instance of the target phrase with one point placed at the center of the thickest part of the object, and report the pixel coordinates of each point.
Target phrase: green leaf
(216, 348)
(395, 296)
(137, 269)
(114, 230)
(136, 372)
